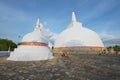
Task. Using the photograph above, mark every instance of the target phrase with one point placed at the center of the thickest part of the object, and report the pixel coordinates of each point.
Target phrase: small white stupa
(78, 36)
(34, 46)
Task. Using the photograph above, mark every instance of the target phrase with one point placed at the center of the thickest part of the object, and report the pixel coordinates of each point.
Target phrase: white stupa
(34, 46)
(78, 36)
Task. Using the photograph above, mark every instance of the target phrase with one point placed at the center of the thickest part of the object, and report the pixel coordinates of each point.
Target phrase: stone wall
(78, 50)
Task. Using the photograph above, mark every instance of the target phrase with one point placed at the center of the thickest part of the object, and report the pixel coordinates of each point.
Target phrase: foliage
(116, 48)
(5, 44)
(110, 47)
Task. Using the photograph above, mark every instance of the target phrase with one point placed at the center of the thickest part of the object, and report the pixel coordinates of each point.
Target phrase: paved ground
(77, 67)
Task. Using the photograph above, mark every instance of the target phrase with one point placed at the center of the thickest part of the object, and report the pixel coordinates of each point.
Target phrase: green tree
(110, 47)
(116, 48)
(5, 44)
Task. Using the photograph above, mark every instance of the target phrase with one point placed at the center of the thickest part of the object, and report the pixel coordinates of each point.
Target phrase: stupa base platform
(31, 53)
(78, 50)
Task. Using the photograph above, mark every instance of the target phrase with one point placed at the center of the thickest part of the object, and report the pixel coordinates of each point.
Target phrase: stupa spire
(73, 16)
(37, 26)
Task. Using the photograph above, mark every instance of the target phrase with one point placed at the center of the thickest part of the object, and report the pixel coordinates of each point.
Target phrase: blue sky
(18, 17)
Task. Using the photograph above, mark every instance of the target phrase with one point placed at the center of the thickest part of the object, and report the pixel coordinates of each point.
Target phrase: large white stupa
(34, 46)
(78, 36)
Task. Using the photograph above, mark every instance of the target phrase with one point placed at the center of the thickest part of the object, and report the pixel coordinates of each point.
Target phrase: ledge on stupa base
(27, 58)
(16, 59)
(78, 50)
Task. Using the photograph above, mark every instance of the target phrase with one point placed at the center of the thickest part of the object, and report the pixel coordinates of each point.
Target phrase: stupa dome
(34, 46)
(35, 36)
(78, 36)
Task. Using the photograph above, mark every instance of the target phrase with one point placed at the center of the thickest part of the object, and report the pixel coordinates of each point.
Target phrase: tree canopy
(116, 48)
(5, 44)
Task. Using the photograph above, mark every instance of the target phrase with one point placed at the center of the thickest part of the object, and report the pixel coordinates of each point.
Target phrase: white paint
(30, 53)
(76, 35)
(33, 52)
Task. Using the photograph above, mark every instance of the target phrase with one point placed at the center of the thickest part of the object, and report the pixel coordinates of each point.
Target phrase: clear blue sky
(18, 17)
